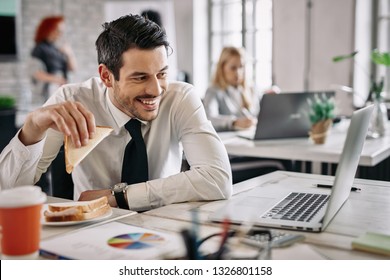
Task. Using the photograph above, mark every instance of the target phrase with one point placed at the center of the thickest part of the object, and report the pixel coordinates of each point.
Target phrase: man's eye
(162, 75)
(139, 78)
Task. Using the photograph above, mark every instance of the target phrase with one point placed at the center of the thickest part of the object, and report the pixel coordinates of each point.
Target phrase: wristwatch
(119, 191)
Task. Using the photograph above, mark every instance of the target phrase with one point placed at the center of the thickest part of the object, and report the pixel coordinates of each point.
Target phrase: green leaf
(382, 58)
(377, 88)
(321, 108)
(344, 57)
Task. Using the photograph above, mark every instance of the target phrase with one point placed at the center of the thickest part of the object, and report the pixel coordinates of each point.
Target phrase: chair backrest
(7, 127)
(62, 183)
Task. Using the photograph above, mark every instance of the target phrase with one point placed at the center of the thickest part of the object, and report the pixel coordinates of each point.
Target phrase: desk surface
(368, 210)
(303, 149)
(358, 215)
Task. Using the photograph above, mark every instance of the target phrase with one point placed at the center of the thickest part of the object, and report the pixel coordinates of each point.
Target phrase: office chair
(8, 127)
(62, 183)
(244, 168)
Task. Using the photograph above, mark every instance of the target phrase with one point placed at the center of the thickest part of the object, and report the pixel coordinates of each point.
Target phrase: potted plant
(7, 119)
(377, 57)
(321, 116)
(7, 102)
(379, 117)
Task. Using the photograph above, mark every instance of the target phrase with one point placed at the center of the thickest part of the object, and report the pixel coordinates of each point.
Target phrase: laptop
(265, 205)
(284, 115)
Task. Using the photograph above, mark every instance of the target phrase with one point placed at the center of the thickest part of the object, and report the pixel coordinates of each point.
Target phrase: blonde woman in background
(229, 103)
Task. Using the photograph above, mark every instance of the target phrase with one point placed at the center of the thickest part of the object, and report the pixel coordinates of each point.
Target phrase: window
(8, 46)
(248, 24)
(383, 42)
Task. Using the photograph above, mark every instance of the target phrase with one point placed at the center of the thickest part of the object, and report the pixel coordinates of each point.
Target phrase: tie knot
(134, 128)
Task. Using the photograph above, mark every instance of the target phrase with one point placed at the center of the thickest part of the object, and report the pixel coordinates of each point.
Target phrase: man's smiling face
(142, 83)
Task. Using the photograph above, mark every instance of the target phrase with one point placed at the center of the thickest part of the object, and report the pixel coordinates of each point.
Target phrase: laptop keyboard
(298, 207)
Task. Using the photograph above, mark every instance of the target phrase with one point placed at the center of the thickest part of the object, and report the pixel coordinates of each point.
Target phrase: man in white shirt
(132, 56)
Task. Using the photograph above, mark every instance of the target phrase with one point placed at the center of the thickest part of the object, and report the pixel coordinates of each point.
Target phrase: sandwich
(77, 210)
(73, 155)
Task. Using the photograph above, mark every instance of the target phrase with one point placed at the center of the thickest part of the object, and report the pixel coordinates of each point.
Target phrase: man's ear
(105, 75)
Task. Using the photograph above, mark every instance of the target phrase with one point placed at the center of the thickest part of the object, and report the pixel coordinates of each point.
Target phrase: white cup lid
(21, 196)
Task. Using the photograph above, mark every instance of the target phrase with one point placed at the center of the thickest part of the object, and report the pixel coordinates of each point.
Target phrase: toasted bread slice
(67, 215)
(75, 213)
(73, 155)
(84, 206)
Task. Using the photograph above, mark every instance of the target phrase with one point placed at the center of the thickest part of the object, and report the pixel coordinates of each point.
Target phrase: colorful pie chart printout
(135, 241)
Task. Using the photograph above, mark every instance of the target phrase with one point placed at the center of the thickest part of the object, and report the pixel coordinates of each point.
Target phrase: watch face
(119, 187)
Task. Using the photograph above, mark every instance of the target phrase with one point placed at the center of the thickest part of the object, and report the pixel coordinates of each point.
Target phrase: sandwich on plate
(77, 210)
(73, 155)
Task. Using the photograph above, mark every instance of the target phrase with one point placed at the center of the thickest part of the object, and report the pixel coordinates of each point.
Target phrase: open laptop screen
(285, 115)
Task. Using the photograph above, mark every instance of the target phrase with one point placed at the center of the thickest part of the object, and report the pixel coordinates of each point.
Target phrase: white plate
(70, 223)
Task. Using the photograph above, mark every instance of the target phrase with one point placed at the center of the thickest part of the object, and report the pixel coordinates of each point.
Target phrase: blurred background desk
(321, 159)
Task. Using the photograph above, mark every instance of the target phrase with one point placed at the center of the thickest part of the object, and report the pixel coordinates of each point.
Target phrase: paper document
(113, 241)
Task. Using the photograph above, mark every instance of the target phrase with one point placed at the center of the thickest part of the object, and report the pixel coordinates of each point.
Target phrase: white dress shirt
(180, 125)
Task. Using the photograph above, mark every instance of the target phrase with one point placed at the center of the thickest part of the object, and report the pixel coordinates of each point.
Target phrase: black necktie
(135, 161)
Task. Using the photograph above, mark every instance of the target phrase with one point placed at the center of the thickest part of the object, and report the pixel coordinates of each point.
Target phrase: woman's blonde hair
(219, 79)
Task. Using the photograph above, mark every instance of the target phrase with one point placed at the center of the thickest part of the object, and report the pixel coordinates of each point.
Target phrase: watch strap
(120, 199)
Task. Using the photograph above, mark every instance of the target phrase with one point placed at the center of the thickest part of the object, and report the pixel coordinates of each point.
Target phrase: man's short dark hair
(130, 31)
(153, 16)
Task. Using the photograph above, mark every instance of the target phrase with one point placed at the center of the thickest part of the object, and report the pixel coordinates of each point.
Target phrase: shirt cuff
(137, 197)
(230, 125)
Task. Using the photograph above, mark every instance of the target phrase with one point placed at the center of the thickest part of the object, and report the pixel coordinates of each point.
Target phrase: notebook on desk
(272, 205)
(284, 115)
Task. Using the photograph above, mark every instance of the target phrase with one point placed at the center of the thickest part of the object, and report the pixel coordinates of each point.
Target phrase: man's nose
(153, 87)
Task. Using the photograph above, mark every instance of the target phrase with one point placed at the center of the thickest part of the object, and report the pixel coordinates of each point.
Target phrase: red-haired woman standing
(50, 63)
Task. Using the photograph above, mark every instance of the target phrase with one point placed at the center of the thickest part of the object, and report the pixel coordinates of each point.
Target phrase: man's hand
(70, 118)
(94, 194)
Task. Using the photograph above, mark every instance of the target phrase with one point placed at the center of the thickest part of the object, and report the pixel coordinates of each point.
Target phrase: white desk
(368, 210)
(303, 149)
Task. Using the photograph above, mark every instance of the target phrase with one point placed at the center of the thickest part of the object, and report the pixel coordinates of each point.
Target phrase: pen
(189, 243)
(353, 189)
(195, 232)
(225, 235)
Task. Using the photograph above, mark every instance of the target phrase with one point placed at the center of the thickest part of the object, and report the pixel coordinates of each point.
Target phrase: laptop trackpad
(247, 209)
(257, 202)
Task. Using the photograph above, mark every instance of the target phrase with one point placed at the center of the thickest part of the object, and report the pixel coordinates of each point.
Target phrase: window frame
(254, 35)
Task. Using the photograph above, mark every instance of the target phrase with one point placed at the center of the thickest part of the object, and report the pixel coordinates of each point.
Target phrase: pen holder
(230, 249)
(193, 245)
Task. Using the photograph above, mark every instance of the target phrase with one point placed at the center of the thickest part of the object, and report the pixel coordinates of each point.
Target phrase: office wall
(83, 24)
(304, 47)
(331, 34)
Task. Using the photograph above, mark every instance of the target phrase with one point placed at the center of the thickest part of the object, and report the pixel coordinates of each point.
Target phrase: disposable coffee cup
(20, 221)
